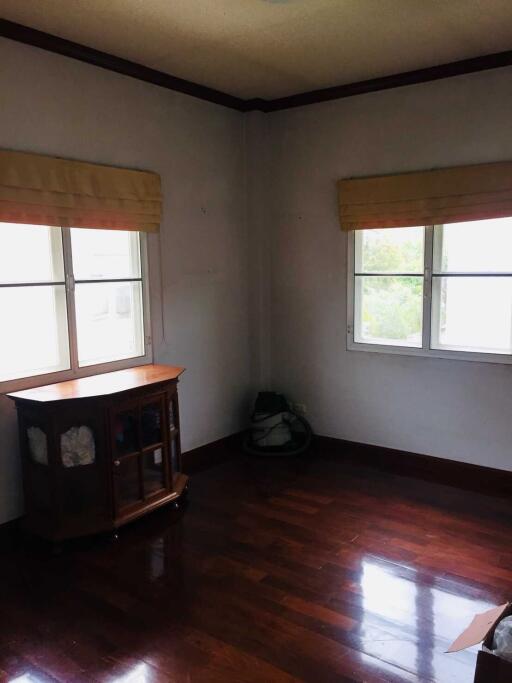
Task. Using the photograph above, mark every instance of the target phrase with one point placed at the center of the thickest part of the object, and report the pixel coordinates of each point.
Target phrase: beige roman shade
(448, 195)
(42, 190)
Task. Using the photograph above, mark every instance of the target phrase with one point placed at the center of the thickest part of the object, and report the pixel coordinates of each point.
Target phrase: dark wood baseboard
(195, 460)
(477, 478)
(211, 454)
(486, 480)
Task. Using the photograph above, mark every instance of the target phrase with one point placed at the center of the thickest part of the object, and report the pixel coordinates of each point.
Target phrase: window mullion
(351, 286)
(70, 298)
(427, 287)
(144, 273)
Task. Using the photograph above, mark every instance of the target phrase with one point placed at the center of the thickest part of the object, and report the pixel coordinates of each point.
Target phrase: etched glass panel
(77, 447)
(38, 445)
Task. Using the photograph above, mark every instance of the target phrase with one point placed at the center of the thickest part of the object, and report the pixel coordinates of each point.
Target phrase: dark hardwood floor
(277, 571)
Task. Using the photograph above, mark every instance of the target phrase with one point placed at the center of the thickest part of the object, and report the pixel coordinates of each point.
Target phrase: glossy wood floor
(277, 572)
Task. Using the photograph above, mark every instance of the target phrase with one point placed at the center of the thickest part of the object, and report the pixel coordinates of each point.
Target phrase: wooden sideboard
(100, 451)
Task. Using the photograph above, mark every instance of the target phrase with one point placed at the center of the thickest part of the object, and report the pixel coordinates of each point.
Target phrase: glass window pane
(35, 336)
(109, 321)
(105, 254)
(474, 247)
(30, 253)
(390, 250)
(472, 314)
(388, 310)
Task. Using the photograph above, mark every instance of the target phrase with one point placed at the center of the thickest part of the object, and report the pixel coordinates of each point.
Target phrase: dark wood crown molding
(46, 41)
(432, 73)
(68, 48)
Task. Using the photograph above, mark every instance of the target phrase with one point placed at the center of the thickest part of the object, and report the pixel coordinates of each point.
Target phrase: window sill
(468, 356)
(12, 385)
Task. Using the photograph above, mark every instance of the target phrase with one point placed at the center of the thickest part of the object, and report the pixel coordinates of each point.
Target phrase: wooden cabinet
(100, 451)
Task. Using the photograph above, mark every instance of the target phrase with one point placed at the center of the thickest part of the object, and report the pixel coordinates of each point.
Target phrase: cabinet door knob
(117, 463)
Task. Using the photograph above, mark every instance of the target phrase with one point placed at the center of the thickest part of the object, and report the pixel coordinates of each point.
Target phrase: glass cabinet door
(126, 438)
(154, 447)
(153, 471)
(128, 488)
(174, 435)
(140, 455)
(151, 423)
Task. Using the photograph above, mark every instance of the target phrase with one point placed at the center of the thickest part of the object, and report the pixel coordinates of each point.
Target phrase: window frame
(75, 371)
(425, 351)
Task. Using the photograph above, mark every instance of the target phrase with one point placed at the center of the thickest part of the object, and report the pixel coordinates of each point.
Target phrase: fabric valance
(447, 195)
(43, 190)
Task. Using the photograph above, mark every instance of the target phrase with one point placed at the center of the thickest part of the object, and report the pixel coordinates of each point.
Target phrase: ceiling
(275, 48)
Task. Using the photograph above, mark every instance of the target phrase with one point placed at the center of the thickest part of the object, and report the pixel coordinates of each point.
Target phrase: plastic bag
(502, 642)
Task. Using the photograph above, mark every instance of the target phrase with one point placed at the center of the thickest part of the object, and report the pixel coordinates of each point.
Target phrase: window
(71, 301)
(443, 290)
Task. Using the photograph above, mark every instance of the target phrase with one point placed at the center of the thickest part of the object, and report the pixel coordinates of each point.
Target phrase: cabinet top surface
(100, 385)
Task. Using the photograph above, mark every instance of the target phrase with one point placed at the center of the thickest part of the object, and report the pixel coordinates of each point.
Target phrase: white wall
(259, 180)
(252, 290)
(54, 105)
(451, 409)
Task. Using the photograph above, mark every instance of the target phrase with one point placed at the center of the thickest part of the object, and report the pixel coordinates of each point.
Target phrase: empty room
(256, 341)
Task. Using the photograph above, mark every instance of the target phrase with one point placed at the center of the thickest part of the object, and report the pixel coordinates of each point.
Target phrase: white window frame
(75, 372)
(425, 350)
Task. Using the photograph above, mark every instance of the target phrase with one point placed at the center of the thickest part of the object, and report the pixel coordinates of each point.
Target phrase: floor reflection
(410, 616)
(348, 578)
(139, 674)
